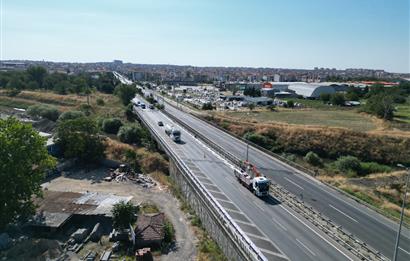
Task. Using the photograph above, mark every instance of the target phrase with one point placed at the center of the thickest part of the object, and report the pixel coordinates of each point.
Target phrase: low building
(258, 101)
(150, 230)
(56, 208)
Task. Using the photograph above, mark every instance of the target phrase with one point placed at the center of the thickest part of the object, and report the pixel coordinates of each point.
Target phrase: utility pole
(396, 247)
(247, 150)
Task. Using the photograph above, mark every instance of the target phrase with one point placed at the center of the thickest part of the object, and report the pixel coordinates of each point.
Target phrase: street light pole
(396, 247)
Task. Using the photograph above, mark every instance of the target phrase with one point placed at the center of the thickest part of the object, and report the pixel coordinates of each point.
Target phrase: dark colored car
(160, 123)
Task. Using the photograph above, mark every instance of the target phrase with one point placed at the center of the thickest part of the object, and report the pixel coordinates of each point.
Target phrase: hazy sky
(256, 33)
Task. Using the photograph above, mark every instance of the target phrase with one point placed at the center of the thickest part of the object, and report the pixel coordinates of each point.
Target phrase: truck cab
(260, 186)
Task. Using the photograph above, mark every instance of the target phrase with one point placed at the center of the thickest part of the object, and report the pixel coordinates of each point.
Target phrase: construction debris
(124, 173)
(143, 254)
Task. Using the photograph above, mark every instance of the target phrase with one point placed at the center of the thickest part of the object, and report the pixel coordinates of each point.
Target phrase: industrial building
(311, 91)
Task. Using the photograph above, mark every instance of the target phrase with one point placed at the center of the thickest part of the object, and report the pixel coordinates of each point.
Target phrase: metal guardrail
(344, 238)
(232, 229)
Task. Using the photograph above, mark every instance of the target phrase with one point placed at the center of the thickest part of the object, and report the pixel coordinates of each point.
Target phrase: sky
(292, 34)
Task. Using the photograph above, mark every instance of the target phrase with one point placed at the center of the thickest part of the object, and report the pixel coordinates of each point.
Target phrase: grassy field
(331, 118)
(111, 108)
(403, 113)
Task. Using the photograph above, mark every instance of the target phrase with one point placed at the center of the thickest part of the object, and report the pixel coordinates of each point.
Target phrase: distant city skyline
(371, 34)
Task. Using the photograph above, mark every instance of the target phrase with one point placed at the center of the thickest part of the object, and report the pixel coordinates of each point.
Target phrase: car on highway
(160, 123)
(151, 106)
(142, 105)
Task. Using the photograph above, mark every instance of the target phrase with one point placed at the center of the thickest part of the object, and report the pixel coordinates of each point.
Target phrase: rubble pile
(125, 173)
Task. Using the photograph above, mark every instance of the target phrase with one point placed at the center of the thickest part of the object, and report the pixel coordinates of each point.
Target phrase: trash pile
(125, 173)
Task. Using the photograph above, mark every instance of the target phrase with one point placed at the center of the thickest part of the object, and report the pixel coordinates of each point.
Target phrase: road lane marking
(279, 224)
(341, 212)
(273, 253)
(257, 205)
(310, 251)
(319, 235)
(407, 252)
(294, 183)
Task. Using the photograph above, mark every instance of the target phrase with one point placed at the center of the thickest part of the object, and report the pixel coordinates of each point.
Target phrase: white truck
(173, 132)
(250, 178)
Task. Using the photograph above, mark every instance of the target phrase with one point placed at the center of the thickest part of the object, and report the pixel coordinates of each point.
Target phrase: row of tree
(37, 77)
(378, 99)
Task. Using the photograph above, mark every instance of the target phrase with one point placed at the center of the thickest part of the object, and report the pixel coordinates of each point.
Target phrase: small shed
(150, 230)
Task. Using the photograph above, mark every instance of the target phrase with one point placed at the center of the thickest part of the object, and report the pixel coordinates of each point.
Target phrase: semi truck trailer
(250, 178)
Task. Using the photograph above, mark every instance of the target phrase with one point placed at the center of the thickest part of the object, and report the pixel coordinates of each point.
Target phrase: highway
(277, 230)
(371, 227)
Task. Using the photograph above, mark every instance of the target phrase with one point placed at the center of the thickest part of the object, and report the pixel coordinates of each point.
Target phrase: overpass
(279, 230)
(369, 226)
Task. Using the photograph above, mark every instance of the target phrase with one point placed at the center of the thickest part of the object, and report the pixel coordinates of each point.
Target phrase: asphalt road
(371, 227)
(274, 228)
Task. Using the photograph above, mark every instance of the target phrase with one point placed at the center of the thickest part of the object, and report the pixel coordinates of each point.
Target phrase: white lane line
(319, 235)
(294, 183)
(341, 212)
(407, 252)
(310, 251)
(279, 224)
(257, 205)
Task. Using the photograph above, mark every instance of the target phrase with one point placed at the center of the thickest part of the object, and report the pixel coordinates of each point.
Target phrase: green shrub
(373, 167)
(125, 93)
(71, 115)
(257, 139)
(169, 232)
(111, 125)
(43, 111)
(313, 159)
(129, 112)
(100, 102)
(131, 133)
(348, 164)
(87, 109)
(196, 221)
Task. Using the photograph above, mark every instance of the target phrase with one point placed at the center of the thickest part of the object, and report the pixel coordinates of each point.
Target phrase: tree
(123, 214)
(71, 115)
(348, 164)
(381, 105)
(37, 74)
(325, 97)
(131, 133)
(337, 99)
(290, 104)
(251, 106)
(78, 138)
(111, 125)
(207, 106)
(23, 162)
(125, 92)
(252, 91)
(313, 159)
(44, 111)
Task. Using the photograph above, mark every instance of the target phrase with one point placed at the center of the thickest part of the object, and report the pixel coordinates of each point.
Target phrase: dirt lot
(92, 180)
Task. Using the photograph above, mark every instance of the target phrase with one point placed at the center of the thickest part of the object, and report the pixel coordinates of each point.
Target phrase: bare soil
(92, 180)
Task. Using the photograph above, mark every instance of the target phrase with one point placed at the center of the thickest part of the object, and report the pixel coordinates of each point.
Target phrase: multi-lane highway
(374, 229)
(277, 230)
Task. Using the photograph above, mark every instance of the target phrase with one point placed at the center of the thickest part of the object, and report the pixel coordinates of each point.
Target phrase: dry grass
(328, 142)
(112, 107)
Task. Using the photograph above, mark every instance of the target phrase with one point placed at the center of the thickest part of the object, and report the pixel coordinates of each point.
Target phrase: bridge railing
(340, 235)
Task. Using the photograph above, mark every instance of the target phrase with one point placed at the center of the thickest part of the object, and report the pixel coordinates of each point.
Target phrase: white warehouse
(309, 90)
